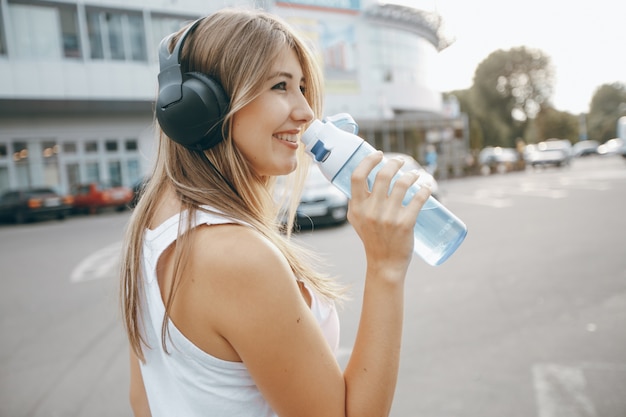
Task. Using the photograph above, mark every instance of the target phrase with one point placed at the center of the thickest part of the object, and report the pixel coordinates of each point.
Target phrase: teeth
(288, 138)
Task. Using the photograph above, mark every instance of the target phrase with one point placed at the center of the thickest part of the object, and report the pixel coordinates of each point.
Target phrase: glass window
(93, 172)
(134, 173)
(3, 150)
(37, 31)
(69, 32)
(115, 173)
(137, 38)
(3, 42)
(91, 147)
(73, 175)
(69, 148)
(49, 150)
(111, 145)
(22, 165)
(116, 35)
(4, 179)
(20, 152)
(49, 153)
(95, 35)
(131, 144)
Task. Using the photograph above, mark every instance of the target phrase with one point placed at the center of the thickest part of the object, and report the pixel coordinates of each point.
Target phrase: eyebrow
(283, 74)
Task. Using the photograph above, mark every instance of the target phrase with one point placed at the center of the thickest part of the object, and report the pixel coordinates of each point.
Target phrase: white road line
(100, 264)
(560, 391)
(481, 201)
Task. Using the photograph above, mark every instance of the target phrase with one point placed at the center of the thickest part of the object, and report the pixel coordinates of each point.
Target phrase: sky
(585, 40)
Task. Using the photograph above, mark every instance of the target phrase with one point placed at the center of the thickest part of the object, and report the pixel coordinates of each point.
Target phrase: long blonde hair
(236, 47)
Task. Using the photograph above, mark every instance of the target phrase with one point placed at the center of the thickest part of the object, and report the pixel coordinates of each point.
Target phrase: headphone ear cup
(196, 119)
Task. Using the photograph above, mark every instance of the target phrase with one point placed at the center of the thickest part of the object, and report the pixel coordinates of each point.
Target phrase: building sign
(350, 5)
(333, 41)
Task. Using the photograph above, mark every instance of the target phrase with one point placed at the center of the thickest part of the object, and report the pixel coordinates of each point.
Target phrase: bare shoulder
(235, 252)
(231, 276)
(247, 306)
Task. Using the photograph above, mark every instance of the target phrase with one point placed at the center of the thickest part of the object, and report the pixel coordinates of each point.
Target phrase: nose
(302, 111)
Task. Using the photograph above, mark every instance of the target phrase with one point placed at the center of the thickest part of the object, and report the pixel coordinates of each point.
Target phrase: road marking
(552, 188)
(98, 265)
(560, 391)
(481, 199)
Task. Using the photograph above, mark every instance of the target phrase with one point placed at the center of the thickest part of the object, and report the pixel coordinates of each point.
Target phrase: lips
(286, 137)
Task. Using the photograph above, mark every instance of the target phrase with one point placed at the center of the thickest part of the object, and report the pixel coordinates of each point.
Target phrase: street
(527, 319)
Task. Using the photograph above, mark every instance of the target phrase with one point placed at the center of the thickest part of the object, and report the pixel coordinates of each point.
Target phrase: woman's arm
(240, 289)
(138, 398)
(386, 229)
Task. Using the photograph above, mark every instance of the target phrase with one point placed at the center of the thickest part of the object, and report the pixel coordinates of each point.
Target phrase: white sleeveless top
(187, 381)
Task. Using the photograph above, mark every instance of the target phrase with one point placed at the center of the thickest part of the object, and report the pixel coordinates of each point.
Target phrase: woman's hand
(384, 225)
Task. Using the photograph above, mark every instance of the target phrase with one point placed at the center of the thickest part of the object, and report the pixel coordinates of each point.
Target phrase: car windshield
(316, 178)
(40, 191)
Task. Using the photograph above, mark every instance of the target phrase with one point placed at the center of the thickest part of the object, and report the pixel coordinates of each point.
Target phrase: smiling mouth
(286, 138)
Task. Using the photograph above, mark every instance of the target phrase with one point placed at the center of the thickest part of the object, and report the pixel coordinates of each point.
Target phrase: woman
(225, 314)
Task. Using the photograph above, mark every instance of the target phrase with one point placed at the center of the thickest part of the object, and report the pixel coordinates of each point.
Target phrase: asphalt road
(526, 319)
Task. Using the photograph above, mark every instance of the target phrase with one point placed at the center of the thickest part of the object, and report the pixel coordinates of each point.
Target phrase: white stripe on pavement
(100, 264)
(560, 391)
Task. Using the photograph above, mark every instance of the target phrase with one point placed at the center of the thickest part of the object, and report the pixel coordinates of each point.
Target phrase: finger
(400, 187)
(358, 181)
(418, 200)
(384, 177)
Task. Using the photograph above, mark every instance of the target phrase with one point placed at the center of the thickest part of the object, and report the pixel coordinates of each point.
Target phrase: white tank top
(188, 381)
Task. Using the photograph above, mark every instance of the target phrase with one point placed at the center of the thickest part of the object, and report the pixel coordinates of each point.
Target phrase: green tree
(510, 88)
(552, 123)
(608, 104)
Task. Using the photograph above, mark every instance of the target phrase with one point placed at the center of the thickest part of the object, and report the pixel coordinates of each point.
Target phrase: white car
(556, 152)
(611, 147)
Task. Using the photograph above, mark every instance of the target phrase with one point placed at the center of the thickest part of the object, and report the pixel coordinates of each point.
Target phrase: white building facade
(78, 81)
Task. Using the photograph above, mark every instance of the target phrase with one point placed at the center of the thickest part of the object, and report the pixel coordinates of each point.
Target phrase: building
(78, 81)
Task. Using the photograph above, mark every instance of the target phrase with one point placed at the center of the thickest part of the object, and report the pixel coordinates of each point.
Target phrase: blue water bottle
(337, 150)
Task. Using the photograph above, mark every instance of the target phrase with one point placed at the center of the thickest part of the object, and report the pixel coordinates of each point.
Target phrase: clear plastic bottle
(337, 150)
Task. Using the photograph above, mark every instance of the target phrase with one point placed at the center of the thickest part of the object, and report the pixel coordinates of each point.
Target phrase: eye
(280, 86)
(303, 89)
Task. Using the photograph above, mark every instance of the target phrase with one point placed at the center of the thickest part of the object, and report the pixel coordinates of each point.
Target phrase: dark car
(93, 197)
(321, 203)
(24, 205)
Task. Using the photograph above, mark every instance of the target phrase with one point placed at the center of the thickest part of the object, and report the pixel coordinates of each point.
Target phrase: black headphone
(190, 107)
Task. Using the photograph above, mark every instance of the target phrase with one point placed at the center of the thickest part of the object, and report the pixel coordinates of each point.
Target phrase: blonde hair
(236, 47)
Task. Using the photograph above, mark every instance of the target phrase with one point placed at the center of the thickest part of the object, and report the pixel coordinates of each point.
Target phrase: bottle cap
(330, 146)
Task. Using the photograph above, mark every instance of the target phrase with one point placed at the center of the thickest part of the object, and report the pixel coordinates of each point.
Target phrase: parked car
(24, 205)
(611, 147)
(557, 152)
(496, 159)
(585, 148)
(321, 202)
(411, 164)
(137, 188)
(93, 197)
